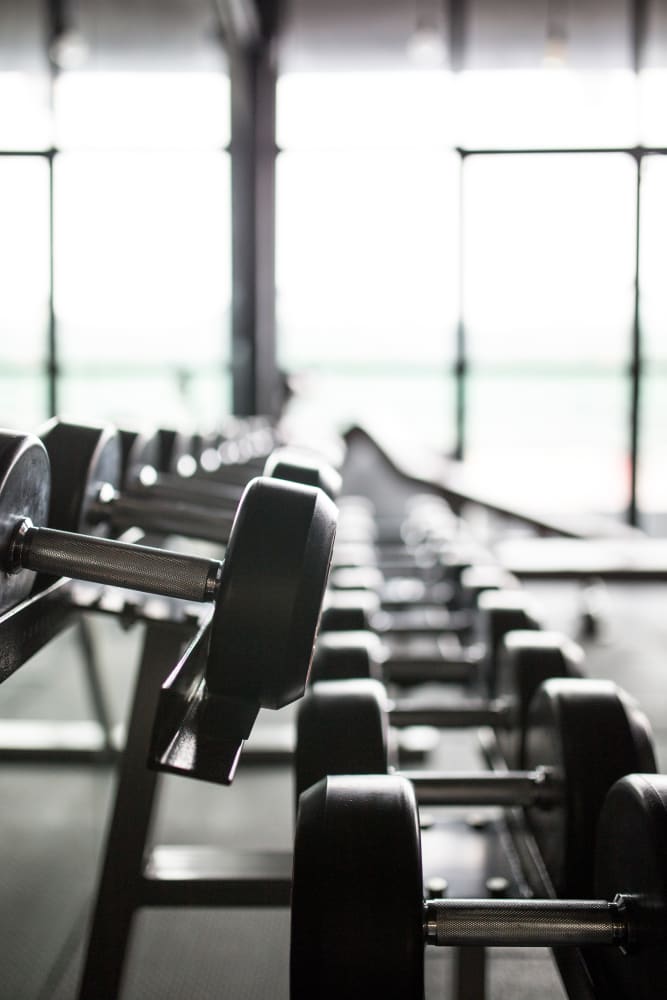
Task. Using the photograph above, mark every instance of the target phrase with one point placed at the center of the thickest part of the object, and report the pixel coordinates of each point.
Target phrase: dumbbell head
(82, 459)
(591, 733)
(356, 926)
(500, 612)
(139, 451)
(342, 728)
(570, 724)
(349, 610)
(24, 492)
(352, 866)
(300, 466)
(273, 580)
(525, 660)
(631, 858)
(347, 655)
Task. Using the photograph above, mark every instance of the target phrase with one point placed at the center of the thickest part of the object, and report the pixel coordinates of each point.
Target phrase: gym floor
(54, 817)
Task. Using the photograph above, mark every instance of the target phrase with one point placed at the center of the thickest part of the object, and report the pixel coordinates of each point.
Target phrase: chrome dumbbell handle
(99, 560)
(497, 712)
(161, 516)
(548, 923)
(495, 788)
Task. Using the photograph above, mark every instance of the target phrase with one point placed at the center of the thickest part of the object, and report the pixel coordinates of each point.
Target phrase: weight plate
(349, 610)
(138, 451)
(269, 602)
(525, 660)
(24, 492)
(357, 895)
(171, 446)
(83, 458)
(592, 733)
(341, 728)
(631, 859)
(298, 466)
(500, 612)
(346, 655)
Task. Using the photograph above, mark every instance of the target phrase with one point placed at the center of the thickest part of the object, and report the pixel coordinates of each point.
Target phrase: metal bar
(24, 630)
(521, 923)
(469, 973)
(470, 713)
(461, 360)
(136, 567)
(120, 891)
(510, 788)
(93, 679)
(166, 517)
(634, 151)
(52, 342)
(636, 360)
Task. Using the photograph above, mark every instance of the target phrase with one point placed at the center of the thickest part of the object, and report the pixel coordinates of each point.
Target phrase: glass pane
(652, 481)
(404, 407)
(364, 110)
(546, 109)
(653, 91)
(25, 118)
(653, 231)
(143, 250)
(23, 399)
(549, 257)
(134, 398)
(557, 443)
(142, 110)
(366, 257)
(24, 258)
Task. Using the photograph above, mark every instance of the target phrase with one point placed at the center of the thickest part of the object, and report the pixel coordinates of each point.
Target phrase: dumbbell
(359, 651)
(266, 594)
(144, 474)
(526, 660)
(581, 735)
(86, 481)
(360, 921)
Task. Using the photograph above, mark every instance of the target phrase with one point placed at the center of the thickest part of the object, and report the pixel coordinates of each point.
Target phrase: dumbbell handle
(547, 923)
(162, 516)
(100, 560)
(486, 788)
(173, 487)
(482, 712)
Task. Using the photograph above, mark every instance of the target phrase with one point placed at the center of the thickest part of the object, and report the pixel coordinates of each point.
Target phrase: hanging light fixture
(426, 44)
(68, 49)
(556, 35)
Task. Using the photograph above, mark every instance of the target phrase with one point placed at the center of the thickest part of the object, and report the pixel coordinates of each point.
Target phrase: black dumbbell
(86, 464)
(408, 659)
(266, 594)
(526, 659)
(581, 735)
(360, 921)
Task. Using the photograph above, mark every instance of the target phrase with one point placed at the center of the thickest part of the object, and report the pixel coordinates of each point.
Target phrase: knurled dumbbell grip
(524, 923)
(100, 560)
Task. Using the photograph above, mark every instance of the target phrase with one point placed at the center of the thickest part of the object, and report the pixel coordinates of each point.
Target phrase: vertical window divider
(636, 357)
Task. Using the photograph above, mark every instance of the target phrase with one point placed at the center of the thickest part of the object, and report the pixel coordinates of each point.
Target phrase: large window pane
(551, 441)
(653, 451)
(143, 277)
(24, 285)
(653, 251)
(366, 252)
(365, 111)
(549, 257)
(405, 407)
(142, 110)
(546, 109)
(136, 397)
